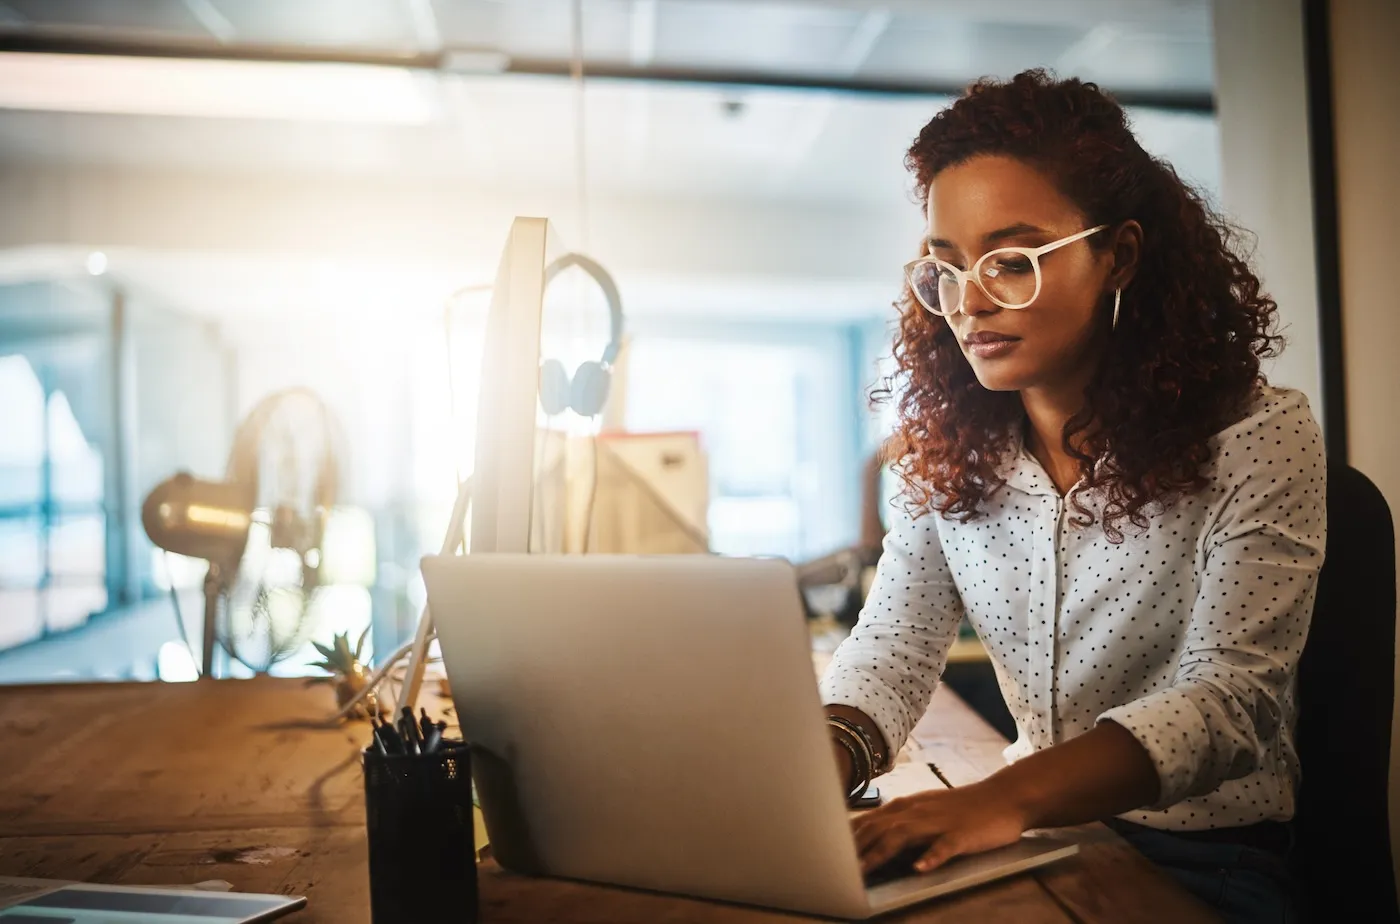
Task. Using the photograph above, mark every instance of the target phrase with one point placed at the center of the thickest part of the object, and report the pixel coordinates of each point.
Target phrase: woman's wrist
(845, 765)
(1102, 773)
(1016, 794)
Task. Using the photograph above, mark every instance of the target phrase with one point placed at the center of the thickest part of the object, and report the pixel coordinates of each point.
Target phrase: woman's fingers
(915, 821)
(869, 826)
(868, 837)
(890, 843)
(941, 851)
(867, 832)
(941, 825)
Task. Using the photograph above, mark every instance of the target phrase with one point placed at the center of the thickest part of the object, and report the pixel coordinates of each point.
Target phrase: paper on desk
(906, 779)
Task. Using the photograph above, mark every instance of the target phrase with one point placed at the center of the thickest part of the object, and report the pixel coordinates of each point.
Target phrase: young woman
(1099, 478)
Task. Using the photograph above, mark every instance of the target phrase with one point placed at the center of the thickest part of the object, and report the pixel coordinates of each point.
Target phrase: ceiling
(739, 136)
(642, 137)
(518, 133)
(1155, 46)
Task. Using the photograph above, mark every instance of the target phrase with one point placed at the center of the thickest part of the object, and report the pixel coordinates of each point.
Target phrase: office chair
(1346, 694)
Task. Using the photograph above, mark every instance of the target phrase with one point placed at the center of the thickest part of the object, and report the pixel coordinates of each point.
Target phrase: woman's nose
(976, 302)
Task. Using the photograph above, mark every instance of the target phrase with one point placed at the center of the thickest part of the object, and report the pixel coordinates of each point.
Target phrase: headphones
(586, 391)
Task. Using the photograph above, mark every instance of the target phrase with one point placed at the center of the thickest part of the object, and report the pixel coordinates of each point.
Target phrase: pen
(424, 723)
(408, 730)
(433, 740)
(392, 743)
(374, 733)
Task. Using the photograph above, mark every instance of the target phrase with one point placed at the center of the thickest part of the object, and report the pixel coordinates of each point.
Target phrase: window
(777, 419)
(52, 525)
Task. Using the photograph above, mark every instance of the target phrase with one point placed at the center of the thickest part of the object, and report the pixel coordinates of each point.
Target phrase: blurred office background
(207, 202)
(203, 202)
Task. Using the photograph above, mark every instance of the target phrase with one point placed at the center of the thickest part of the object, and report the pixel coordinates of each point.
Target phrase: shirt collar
(1022, 471)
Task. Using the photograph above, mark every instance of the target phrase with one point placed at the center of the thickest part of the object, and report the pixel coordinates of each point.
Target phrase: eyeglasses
(1010, 277)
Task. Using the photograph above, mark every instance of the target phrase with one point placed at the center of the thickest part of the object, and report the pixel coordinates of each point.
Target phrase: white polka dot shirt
(1186, 634)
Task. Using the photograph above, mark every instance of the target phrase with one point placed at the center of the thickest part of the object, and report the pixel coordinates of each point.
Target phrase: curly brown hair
(1185, 356)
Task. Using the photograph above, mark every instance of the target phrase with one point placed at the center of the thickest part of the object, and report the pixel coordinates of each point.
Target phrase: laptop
(52, 901)
(654, 722)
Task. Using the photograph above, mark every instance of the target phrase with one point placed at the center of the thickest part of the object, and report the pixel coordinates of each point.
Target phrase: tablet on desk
(43, 901)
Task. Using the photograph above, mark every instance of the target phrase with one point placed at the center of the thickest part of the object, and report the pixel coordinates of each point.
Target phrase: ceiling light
(213, 88)
(96, 263)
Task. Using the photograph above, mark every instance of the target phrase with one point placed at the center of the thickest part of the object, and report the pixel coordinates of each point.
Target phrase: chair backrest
(1346, 696)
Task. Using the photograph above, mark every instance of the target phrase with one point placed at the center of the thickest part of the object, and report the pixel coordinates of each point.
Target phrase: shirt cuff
(884, 707)
(1170, 728)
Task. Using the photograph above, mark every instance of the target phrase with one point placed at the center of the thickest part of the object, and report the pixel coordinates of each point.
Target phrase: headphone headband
(605, 282)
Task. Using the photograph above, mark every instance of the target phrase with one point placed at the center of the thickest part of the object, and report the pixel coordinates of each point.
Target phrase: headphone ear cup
(590, 389)
(554, 387)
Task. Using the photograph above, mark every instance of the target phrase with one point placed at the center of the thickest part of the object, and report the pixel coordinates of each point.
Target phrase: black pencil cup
(422, 855)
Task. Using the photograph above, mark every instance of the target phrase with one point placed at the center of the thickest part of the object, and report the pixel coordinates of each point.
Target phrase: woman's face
(993, 201)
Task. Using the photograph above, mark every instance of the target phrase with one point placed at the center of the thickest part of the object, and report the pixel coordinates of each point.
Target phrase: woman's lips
(985, 345)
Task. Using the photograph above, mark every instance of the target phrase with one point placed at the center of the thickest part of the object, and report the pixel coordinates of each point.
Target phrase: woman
(1100, 479)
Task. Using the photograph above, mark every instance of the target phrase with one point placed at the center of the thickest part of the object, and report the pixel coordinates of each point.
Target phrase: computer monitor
(504, 474)
(502, 486)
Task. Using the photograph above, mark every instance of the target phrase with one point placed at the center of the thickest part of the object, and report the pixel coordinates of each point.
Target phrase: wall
(432, 223)
(1366, 101)
(1266, 179)
(1266, 186)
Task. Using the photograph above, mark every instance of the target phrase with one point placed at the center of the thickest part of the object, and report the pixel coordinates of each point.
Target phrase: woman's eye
(947, 274)
(1008, 264)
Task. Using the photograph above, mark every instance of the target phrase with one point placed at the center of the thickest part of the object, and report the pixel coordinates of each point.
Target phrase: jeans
(1245, 885)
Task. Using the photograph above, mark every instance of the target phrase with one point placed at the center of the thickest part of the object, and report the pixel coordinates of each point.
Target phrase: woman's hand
(1102, 772)
(947, 822)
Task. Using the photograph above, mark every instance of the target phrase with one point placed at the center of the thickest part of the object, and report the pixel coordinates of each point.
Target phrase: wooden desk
(179, 783)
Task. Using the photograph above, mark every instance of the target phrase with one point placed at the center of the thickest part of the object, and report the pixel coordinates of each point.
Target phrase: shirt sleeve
(890, 664)
(1250, 618)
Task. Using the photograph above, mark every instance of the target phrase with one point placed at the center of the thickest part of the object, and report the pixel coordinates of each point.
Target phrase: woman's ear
(1127, 251)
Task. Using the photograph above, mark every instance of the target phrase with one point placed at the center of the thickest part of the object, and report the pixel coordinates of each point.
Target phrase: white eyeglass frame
(1032, 253)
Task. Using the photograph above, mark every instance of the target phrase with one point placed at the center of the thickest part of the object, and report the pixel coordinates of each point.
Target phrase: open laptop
(654, 722)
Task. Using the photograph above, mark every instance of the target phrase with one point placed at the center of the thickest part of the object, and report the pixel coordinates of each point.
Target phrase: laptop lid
(650, 722)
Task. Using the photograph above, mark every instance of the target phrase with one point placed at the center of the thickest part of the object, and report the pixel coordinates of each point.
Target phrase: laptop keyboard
(900, 866)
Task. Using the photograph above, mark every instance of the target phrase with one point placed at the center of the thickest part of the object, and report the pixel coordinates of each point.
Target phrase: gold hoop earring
(1117, 297)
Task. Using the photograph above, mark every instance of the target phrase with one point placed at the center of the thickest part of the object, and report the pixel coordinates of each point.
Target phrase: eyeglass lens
(1006, 276)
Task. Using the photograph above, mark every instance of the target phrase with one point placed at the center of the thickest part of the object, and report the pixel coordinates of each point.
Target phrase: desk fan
(280, 484)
